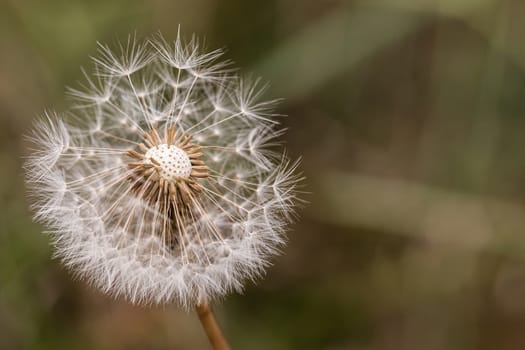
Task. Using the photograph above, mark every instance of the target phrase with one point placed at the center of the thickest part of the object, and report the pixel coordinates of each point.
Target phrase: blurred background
(410, 118)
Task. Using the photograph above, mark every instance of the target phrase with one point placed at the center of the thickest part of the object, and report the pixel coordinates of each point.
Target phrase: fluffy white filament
(110, 235)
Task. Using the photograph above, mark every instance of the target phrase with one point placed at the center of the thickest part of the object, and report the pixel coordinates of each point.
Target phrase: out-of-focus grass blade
(439, 215)
(331, 46)
(477, 14)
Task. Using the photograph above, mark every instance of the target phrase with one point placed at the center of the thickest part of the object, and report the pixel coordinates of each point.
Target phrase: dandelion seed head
(173, 161)
(164, 182)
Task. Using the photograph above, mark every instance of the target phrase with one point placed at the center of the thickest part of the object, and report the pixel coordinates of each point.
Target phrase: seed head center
(172, 161)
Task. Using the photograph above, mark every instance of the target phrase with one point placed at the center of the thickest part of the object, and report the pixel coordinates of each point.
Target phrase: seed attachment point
(167, 168)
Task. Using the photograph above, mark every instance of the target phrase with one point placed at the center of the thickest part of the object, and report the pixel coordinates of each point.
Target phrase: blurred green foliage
(410, 118)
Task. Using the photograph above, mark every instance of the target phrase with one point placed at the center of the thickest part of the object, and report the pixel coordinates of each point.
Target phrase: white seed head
(173, 161)
(163, 183)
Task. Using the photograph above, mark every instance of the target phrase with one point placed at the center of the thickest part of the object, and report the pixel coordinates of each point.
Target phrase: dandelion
(165, 182)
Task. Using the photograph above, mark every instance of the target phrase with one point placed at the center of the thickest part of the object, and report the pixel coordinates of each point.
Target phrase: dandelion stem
(212, 329)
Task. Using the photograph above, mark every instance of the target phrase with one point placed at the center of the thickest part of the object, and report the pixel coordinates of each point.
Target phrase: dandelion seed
(164, 183)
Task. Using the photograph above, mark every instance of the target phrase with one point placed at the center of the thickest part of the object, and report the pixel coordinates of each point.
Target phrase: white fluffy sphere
(164, 182)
